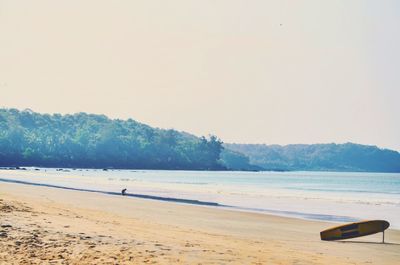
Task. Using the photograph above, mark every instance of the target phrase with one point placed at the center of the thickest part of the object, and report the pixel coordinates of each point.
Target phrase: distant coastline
(69, 169)
(348, 157)
(30, 139)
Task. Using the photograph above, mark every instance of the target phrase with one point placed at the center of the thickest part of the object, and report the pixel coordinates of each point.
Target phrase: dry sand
(41, 225)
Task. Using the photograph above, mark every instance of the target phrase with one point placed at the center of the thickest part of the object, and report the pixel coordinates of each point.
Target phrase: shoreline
(22, 167)
(282, 213)
(141, 196)
(134, 231)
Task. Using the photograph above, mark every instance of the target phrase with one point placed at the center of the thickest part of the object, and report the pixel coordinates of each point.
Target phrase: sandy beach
(46, 225)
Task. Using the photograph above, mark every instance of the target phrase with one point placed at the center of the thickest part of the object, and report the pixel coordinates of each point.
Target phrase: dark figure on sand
(123, 192)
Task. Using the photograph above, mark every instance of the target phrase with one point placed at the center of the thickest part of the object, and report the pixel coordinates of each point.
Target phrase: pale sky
(274, 72)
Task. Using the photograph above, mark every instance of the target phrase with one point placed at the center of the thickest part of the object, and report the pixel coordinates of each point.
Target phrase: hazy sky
(248, 71)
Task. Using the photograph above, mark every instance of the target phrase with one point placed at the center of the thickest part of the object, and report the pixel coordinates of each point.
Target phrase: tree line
(320, 157)
(95, 141)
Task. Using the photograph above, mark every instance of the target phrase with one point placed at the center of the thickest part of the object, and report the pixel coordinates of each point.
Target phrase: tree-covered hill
(95, 141)
(237, 161)
(330, 157)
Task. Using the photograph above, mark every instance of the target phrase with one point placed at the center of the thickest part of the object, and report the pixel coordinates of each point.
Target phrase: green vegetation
(329, 157)
(95, 141)
(237, 161)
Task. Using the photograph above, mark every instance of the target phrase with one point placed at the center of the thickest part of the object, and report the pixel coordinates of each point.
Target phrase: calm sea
(330, 196)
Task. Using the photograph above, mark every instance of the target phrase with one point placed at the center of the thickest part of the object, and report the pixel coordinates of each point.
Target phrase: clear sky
(274, 72)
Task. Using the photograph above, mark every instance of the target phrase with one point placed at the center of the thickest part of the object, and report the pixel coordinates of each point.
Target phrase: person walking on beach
(123, 192)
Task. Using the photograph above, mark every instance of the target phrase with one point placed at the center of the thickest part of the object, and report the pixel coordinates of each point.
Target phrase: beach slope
(47, 225)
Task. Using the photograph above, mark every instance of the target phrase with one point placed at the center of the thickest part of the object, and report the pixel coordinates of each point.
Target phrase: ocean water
(330, 196)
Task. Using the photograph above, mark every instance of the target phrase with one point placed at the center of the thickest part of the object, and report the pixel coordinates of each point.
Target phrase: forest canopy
(320, 157)
(95, 141)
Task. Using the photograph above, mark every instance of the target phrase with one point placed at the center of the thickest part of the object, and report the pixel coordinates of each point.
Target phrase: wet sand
(46, 225)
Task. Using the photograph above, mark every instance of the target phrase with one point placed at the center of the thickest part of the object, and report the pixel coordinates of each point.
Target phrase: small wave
(192, 183)
(302, 215)
(184, 182)
(344, 190)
